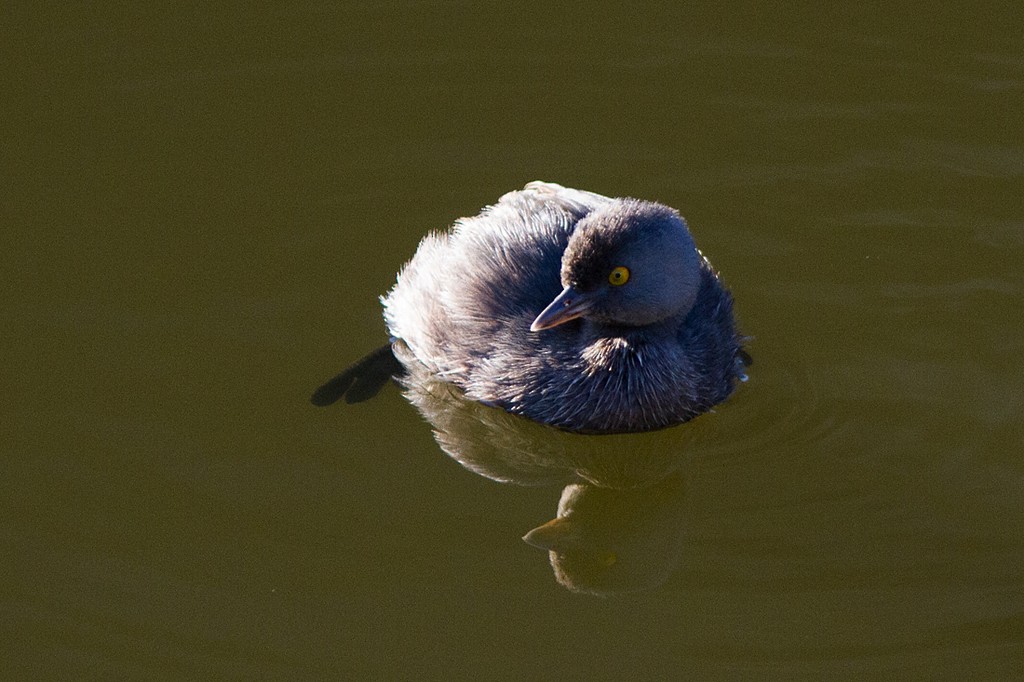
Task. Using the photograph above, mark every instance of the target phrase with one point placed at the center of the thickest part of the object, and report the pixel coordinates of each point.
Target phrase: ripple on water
(783, 405)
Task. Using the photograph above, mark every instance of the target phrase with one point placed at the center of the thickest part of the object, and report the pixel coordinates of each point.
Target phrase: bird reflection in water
(619, 526)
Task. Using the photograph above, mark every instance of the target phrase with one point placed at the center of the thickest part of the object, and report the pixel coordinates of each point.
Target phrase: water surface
(203, 206)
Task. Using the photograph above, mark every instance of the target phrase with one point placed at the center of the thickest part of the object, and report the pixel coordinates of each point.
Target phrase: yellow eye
(619, 276)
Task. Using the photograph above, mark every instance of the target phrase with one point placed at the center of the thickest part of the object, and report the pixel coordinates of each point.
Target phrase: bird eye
(619, 276)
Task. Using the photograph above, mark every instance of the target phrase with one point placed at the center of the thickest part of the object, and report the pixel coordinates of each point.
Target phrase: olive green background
(201, 205)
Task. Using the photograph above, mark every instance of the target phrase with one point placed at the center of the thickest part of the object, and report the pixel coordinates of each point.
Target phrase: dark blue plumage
(636, 331)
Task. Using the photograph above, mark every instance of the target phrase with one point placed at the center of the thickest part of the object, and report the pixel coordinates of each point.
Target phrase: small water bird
(588, 313)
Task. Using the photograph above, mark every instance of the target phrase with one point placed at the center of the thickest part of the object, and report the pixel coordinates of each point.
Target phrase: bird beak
(554, 535)
(568, 305)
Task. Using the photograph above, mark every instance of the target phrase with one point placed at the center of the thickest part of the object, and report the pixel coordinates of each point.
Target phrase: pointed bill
(568, 305)
(557, 534)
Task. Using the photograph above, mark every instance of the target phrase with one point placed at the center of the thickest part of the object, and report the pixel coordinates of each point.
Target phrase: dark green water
(202, 205)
